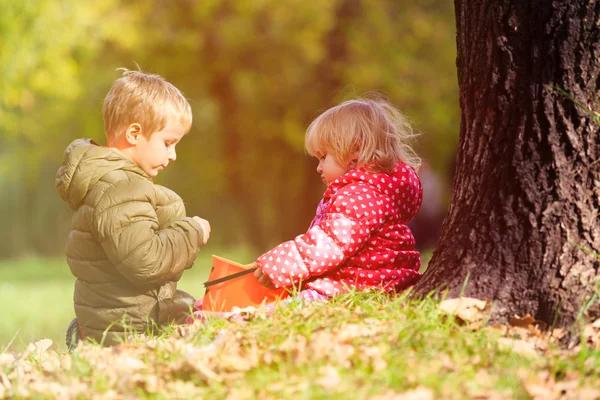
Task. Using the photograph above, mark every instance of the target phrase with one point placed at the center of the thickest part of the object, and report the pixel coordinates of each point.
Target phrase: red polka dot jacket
(358, 238)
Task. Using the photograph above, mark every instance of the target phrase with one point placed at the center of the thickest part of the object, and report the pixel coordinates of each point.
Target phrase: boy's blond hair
(368, 132)
(147, 99)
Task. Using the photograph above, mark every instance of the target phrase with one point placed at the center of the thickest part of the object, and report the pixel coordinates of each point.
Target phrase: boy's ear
(133, 132)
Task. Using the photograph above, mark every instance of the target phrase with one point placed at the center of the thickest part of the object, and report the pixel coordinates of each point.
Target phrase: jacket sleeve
(326, 245)
(126, 225)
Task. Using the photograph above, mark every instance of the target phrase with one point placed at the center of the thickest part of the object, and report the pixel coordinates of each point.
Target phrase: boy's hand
(205, 228)
(263, 279)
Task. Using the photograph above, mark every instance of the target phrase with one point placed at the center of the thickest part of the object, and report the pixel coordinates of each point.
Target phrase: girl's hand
(263, 279)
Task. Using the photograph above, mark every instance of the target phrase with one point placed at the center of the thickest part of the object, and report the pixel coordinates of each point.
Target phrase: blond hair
(147, 99)
(368, 132)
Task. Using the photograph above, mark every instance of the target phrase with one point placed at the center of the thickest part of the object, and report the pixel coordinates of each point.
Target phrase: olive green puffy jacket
(130, 242)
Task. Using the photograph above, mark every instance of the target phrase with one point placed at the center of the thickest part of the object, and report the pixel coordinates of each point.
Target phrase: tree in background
(266, 69)
(46, 49)
(256, 74)
(526, 189)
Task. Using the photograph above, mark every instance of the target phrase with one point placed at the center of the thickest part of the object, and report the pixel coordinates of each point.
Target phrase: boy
(131, 240)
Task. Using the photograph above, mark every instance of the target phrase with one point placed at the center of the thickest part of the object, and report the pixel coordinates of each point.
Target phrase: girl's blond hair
(368, 132)
(147, 99)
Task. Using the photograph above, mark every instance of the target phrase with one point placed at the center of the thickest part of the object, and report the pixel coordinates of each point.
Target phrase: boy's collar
(122, 155)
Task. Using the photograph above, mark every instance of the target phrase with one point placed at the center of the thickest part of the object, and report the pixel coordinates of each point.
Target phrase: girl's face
(329, 169)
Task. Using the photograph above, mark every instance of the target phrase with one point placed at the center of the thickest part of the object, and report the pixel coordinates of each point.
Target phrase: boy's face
(153, 154)
(329, 169)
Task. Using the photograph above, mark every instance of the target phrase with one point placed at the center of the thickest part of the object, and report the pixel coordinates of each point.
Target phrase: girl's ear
(352, 164)
(353, 161)
(132, 133)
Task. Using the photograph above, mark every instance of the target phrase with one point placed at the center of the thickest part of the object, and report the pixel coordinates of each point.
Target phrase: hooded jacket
(130, 241)
(358, 239)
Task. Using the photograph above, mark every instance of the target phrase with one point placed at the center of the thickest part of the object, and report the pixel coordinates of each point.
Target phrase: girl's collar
(361, 174)
(344, 179)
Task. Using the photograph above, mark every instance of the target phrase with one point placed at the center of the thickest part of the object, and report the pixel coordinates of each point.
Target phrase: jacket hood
(84, 164)
(403, 186)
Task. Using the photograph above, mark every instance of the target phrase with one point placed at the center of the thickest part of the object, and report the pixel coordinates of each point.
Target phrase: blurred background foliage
(256, 73)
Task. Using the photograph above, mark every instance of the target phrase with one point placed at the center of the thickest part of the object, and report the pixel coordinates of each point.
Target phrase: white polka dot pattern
(358, 238)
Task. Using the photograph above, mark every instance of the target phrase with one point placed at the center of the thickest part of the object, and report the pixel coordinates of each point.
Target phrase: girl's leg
(307, 295)
(303, 296)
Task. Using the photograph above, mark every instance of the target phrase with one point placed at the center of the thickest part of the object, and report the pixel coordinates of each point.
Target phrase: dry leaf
(483, 378)
(592, 336)
(6, 359)
(523, 322)
(465, 308)
(4, 381)
(501, 329)
(330, 378)
(130, 363)
(528, 322)
(419, 393)
(539, 391)
(519, 346)
(39, 347)
(558, 333)
(588, 394)
(242, 393)
(518, 332)
(447, 362)
(374, 356)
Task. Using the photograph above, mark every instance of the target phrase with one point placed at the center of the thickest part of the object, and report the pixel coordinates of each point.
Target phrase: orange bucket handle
(229, 277)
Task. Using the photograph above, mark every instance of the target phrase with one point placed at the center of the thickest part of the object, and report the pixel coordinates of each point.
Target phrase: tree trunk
(526, 189)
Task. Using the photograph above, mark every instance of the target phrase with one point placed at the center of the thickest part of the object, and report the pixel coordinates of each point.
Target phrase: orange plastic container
(231, 284)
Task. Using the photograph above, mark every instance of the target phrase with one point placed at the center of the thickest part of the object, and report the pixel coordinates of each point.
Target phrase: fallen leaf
(447, 362)
(6, 359)
(4, 381)
(419, 393)
(465, 308)
(130, 363)
(523, 322)
(241, 393)
(539, 389)
(518, 346)
(517, 332)
(330, 378)
(588, 394)
(40, 346)
(558, 333)
(592, 336)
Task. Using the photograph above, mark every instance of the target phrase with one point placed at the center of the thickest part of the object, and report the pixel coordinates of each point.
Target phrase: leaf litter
(327, 350)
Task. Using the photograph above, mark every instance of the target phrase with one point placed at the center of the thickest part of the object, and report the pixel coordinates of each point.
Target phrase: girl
(358, 238)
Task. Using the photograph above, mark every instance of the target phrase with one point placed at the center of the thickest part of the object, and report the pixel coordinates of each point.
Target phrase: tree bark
(526, 190)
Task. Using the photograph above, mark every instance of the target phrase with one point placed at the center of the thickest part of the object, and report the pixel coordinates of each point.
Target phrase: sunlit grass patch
(356, 346)
(36, 295)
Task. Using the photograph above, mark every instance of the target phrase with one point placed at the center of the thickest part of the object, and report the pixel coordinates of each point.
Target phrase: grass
(356, 346)
(359, 345)
(36, 296)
